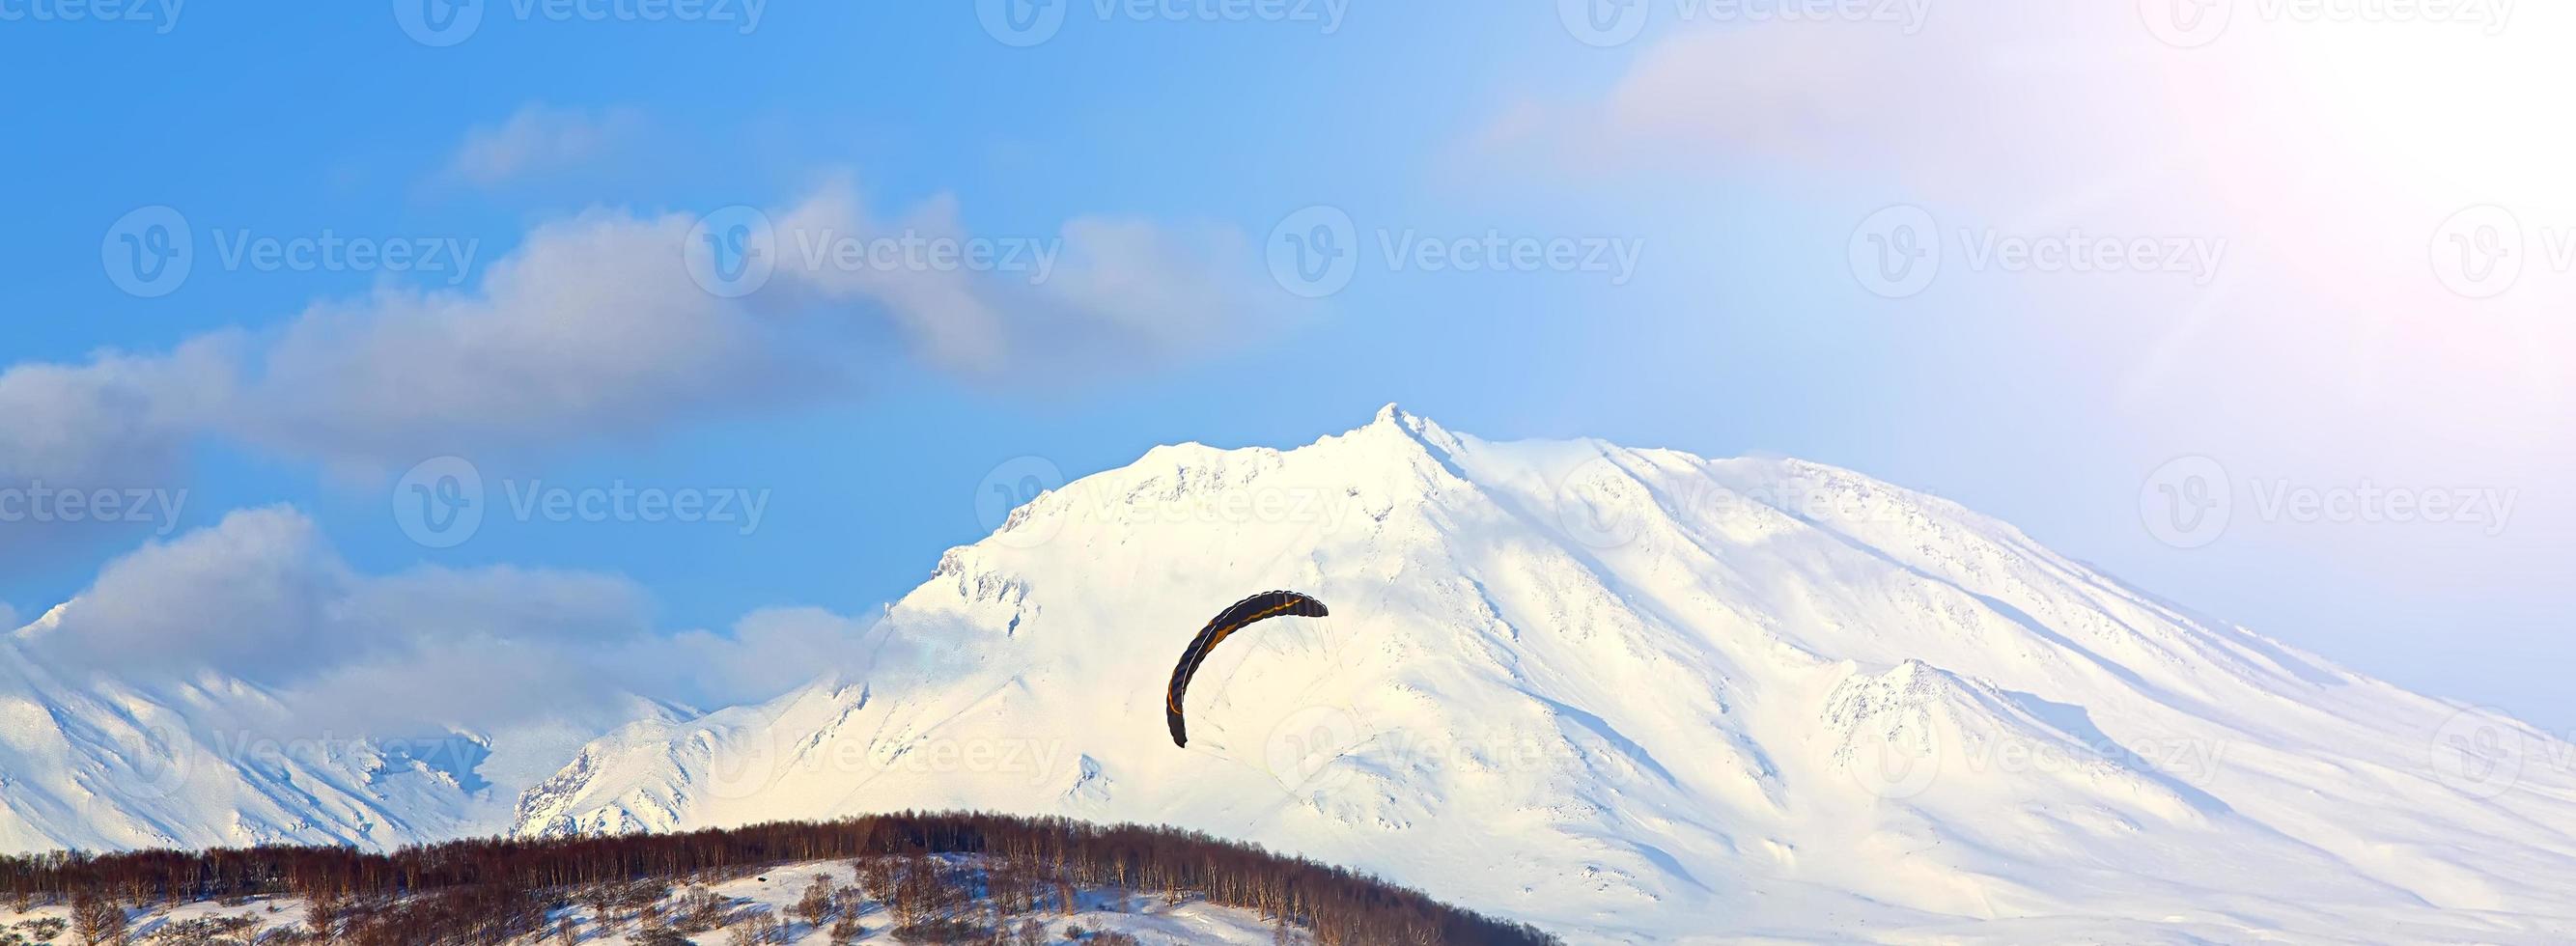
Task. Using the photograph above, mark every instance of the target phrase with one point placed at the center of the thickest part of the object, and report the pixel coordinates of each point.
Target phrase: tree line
(501, 889)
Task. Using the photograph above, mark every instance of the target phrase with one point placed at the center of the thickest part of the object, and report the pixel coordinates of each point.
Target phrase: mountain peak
(44, 623)
(1394, 420)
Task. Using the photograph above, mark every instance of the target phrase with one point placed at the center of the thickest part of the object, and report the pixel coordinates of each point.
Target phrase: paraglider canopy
(1260, 607)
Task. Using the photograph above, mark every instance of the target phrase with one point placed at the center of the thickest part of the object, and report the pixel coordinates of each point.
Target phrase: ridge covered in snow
(1639, 695)
(92, 762)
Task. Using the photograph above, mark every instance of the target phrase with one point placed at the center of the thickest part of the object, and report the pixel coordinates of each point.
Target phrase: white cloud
(1993, 95)
(765, 653)
(262, 597)
(593, 328)
(248, 597)
(117, 420)
(1153, 291)
(1098, 294)
(537, 139)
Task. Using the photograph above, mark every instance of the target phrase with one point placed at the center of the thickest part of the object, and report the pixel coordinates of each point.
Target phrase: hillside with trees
(910, 877)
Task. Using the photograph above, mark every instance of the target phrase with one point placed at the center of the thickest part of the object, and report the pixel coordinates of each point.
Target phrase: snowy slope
(94, 763)
(101, 765)
(1641, 695)
(774, 892)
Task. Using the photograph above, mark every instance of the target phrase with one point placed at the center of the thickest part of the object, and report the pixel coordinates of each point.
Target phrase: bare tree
(321, 909)
(97, 920)
(846, 930)
(816, 906)
(698, 911)
(759, 929)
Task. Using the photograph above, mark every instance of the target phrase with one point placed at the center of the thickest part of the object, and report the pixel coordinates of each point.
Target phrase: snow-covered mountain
(91, 762)
(102, 765)
(1642, 695)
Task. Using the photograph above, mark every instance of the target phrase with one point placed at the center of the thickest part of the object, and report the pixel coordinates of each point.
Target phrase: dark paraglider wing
(1260, 607)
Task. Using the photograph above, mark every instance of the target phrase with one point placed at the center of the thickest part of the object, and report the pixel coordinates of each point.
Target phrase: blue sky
(1740, 160)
